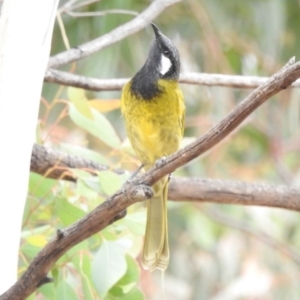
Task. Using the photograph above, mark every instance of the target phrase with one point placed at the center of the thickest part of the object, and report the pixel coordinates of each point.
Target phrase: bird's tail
(156, 246)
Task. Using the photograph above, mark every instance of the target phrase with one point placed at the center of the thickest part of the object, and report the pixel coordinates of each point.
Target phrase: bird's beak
(156, 30)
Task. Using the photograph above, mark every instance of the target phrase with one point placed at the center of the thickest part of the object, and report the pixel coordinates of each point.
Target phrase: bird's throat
(144, 85)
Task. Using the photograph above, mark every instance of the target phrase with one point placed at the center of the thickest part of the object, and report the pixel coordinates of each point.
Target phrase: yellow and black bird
(153, 107)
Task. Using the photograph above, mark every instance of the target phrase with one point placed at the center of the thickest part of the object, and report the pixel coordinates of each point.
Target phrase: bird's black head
(163, 62)
(164, 56)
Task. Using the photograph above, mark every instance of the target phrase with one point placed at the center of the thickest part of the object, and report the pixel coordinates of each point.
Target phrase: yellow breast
(155, 126)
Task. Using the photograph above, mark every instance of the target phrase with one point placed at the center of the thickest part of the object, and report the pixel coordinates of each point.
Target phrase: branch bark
(138, 189)
(57, 165)
(94, 84)
(234, 192)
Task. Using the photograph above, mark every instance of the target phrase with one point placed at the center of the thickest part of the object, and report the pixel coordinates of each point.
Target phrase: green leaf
(67, 212)
(136, 222)
(65, 291)
(31, 297)
(38, 230)
(48, 290)
(82, 261)
(111, 182)
(132, 274)
(76, 250)
(85, 271)
(108, 267)
(88, 187)
(78, 98)
(30, 250)
(100, 127)
(134, 294)
(83, 152)
(40, 186)
(56, 273)
(128, 282)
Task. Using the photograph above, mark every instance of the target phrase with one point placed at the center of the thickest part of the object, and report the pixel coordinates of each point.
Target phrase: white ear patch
(165, 65)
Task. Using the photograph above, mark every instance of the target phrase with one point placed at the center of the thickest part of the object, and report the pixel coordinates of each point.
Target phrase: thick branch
(55, 164)
(121, 32)
(94, 84)
(137, 190)
(234, 192)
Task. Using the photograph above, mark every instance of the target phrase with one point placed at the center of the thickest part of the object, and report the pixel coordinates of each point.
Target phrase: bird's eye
(166, 52)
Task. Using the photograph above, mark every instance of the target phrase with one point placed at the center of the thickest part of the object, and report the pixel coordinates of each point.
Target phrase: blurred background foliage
(217, 252)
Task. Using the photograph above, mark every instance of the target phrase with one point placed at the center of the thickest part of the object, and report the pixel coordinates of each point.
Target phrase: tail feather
(156, 246)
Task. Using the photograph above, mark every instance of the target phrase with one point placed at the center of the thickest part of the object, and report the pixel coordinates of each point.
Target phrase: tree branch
(138, 189)
(116, 35)
(94, 84)
(55, 164)
(234, 192)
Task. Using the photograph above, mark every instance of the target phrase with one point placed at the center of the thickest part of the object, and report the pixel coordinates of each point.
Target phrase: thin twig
(63, 30)
(119, 33)
(94, 84)
(67, 6)
(101, 13)
(71, 4)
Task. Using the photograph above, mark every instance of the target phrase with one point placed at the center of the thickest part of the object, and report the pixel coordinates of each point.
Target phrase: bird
(153, 108)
